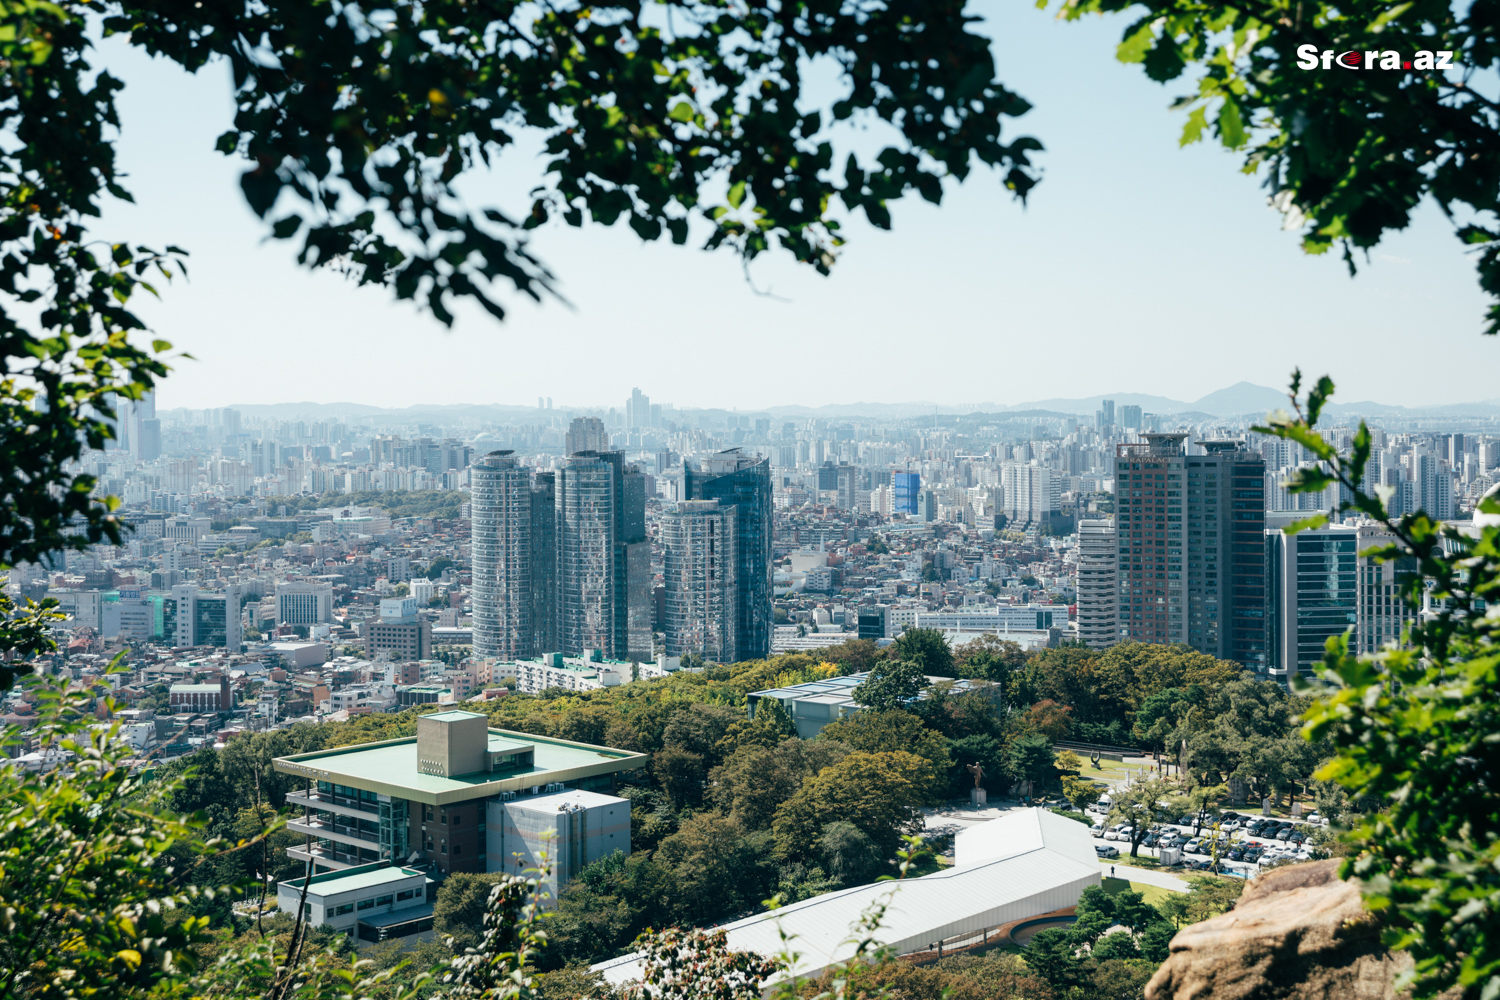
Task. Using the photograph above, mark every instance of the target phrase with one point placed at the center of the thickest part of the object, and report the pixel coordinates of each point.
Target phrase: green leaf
(1306, 524)
(736, 194)
(1137, 42)
(1379, 24)
(682, 111)
(1316, 398)
(287, 226)
(1192, 130)
(1231, 126)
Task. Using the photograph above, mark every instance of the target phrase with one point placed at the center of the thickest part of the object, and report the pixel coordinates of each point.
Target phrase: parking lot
(1246, 842)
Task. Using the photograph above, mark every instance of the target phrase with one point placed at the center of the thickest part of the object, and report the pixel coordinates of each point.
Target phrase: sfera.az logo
(1311, 57)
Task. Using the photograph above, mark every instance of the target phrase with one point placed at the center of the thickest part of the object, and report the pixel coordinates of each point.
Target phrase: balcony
(327, 854)
(339, 833)
(340, 804)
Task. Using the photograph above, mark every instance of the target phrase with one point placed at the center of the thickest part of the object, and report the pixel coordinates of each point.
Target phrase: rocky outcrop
(1297, 931)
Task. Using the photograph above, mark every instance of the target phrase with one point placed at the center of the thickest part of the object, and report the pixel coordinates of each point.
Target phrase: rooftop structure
(814, 704)
(1022, 865)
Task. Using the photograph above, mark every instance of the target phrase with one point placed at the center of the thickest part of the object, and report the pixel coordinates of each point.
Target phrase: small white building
(370, 903)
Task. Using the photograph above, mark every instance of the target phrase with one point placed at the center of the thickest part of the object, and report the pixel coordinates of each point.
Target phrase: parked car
(1296, 837)
(1251, 855)
(1178, 841)
(1235, 854)
(1194, 846)
(1116, 835)
(1230, 825)
(1150, 839)
(1105, 851)
(1184, 821)
(1097, 829)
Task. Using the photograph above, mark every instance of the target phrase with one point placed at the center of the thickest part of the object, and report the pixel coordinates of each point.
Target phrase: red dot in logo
(1406, 65)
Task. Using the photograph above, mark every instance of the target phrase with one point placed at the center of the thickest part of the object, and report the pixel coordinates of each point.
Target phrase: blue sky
(1136, 267)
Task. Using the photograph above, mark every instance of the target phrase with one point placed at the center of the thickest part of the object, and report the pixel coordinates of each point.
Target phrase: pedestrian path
(1145, 876)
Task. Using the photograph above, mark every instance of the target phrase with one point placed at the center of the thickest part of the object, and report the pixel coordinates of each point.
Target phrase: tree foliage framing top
(357, 120)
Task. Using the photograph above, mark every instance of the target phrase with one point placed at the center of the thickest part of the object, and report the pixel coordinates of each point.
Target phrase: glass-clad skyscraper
(906, 490)
(501, 556)
(744, 481)
(699, 540)
(586, 556)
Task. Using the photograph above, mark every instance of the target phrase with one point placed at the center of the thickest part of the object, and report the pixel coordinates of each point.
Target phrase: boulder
(1297, 931)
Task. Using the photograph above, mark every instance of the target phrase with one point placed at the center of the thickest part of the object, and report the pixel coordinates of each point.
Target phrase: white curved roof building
(1021, 865)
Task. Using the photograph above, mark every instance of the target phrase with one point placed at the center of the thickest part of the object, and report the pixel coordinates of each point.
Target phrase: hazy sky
(1137, 267)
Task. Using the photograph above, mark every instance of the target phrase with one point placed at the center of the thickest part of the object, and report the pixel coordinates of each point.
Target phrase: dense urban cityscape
(299, 580)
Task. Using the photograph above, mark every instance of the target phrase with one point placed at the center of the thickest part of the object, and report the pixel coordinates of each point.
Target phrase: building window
(339, 911)
(367, 904)
(383, 901)
(405, 894)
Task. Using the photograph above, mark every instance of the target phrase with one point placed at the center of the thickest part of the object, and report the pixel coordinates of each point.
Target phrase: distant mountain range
(1238, 400)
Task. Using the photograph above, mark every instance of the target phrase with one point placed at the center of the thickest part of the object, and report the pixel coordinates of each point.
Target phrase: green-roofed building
(442, 800)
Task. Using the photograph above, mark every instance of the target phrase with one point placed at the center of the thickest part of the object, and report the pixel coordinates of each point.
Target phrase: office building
(1098, 626)
(1191, 548)
(443, 798)
(304, 603)
(191, 617)
(906, 489)
(744, 482)
(699, 541)
(1130, 417)
(397, 634)
(501, 555)
(1313, 594)
(1383, 615)
(872, 622)
(586, 434)
(999, 618)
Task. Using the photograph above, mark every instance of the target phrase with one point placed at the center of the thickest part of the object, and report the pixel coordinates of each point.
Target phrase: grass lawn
(1151, 893)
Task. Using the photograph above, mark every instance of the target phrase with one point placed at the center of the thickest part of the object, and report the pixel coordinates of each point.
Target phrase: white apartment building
(589, 672)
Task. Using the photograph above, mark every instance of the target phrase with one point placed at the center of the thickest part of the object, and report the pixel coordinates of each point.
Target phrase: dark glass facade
(744, 481)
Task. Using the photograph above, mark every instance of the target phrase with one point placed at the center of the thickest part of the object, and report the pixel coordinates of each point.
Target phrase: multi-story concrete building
(300, 603)
(444, 797)
(586, 434)
(191, 617)
(397, 634)
(589, 672)
(1098, 624)
(699, 540)
(1382, 614)
(1191, 548)
(201, 697)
